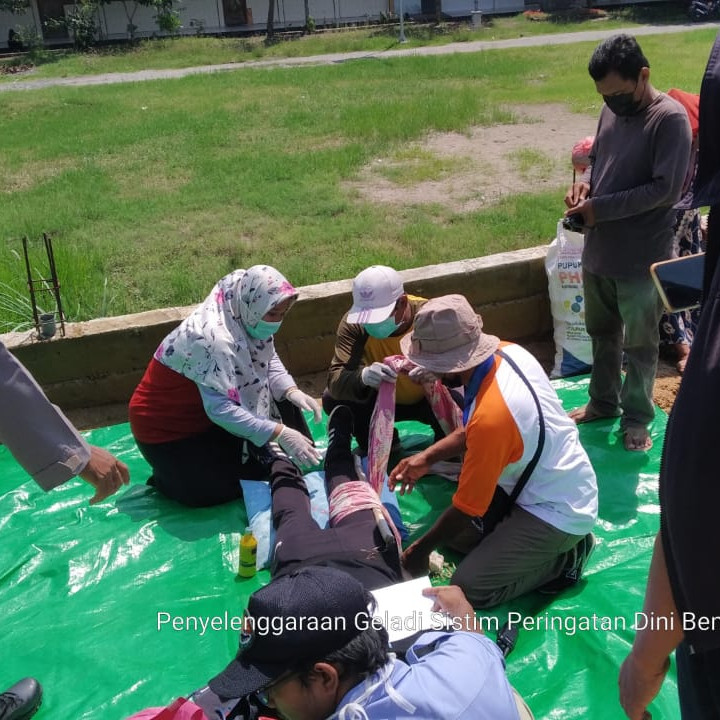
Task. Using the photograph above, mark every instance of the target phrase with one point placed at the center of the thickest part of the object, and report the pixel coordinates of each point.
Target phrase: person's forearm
(37, 434)
(347, 385)
(652, 647)
(443, 528)
(345, 372)
(637, 200)
(450, 446)
(279, 379)
(235, 419)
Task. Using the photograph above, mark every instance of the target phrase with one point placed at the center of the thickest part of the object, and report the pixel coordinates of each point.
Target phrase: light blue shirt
(462, 678)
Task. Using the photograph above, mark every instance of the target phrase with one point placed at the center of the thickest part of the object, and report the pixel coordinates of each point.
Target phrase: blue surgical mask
(382, 329)
(262, 329)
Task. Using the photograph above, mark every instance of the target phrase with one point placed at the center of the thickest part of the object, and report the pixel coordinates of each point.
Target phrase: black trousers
(204, 470)
(354, 544)
(698, 683)
(362, 412)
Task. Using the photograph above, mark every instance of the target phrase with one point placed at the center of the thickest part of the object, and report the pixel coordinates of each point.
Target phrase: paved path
(451, 48)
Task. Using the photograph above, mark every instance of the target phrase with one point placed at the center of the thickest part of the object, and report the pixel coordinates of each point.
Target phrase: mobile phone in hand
(574, 222)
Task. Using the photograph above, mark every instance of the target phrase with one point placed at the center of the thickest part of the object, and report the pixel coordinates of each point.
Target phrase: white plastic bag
(573, 348)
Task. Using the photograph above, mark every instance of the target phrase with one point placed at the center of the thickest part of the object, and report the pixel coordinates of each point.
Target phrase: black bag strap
(528, 471)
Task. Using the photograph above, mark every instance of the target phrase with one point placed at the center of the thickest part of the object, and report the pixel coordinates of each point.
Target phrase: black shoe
(339, 430)
(572, 572)
(21, 701)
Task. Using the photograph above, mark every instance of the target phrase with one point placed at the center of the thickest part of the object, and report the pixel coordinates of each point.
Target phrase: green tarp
(105, 605)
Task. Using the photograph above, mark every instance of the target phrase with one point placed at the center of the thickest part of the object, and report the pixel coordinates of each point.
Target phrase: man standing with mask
(381, 314)
(638, 164)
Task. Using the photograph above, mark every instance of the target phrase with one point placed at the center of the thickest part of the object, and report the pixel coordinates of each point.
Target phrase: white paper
(404, 610)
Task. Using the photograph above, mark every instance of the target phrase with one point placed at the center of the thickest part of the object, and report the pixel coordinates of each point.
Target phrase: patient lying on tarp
(310, 648)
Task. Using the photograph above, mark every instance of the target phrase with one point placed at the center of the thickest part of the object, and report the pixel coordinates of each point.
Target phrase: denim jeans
(622, 316)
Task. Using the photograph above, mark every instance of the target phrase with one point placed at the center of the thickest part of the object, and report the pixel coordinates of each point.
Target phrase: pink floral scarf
(382, 422)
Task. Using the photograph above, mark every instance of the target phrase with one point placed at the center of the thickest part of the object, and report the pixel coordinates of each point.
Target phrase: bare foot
(683, 351)
(586, 414)
(637, 439)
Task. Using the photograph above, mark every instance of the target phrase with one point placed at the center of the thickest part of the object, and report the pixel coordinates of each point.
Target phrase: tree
(14, 6)
(167, 17)
(130, 7)
(81, 22)
(309, 22)
(270, 31)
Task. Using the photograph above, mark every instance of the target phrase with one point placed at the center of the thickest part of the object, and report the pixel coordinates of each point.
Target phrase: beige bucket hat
(447, 336)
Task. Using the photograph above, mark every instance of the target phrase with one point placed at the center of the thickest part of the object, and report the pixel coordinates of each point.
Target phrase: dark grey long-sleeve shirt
(37, 434)
(638, 167)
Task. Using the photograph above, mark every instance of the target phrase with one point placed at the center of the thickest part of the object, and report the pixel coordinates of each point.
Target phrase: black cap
(297, 618)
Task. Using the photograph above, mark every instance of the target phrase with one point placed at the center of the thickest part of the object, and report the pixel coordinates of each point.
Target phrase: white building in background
(219, 16)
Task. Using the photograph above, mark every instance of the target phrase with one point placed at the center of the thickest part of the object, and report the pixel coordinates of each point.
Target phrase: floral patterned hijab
(212, 347)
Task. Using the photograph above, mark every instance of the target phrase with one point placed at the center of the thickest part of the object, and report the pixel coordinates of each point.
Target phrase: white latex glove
(378, 372)
(302, 400)
(421, 376)
(298, 447)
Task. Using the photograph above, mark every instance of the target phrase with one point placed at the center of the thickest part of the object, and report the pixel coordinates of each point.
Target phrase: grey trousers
(521, 554)
(623, 315)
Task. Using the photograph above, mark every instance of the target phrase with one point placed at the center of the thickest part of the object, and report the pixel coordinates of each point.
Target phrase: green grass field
(154, 190)
(192, 51)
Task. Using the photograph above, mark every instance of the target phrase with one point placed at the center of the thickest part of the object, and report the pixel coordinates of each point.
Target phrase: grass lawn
(154, 190)
(193, 51)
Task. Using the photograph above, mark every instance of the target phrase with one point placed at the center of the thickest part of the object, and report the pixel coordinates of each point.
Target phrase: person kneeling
(381, 314)
(526, 499)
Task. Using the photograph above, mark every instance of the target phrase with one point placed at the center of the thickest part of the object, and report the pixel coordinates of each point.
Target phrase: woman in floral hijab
(214, 393)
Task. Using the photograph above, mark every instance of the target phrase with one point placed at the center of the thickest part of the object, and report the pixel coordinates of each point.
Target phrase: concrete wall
(99, 362)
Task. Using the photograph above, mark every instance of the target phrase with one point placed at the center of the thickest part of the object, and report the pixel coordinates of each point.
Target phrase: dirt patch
(32, 173)
(530, 155)
(667, 382)
(475, 169)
